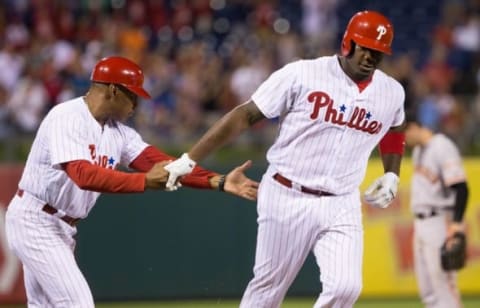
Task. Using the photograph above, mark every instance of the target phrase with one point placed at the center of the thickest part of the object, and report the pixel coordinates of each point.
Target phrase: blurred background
(202, 58)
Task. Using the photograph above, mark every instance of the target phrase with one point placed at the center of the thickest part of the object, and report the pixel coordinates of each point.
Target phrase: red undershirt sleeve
(92, 177)
(199, 178)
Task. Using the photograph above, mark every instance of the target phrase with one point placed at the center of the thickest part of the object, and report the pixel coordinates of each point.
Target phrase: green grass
(469, 302)
(289, 303)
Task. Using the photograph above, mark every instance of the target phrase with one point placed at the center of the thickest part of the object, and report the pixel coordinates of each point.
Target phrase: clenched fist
(157, 177)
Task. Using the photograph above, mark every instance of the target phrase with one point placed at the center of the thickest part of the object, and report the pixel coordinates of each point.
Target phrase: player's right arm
(273, 97)
(226, 129)
(88, 176)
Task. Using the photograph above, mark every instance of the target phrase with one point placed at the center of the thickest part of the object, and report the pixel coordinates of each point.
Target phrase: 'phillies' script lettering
(359, 120)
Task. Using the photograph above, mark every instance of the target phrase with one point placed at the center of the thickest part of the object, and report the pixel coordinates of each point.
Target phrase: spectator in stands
(29, 100)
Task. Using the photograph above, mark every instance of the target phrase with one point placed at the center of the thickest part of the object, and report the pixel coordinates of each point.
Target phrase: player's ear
(352, 49)
(110, 91)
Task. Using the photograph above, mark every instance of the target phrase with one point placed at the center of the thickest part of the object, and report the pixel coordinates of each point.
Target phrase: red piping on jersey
(199, 178)
(92, 177)
(363, 84)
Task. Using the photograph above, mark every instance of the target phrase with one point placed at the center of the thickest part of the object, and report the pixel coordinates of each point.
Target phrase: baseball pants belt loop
(47, 208)
(288, 183)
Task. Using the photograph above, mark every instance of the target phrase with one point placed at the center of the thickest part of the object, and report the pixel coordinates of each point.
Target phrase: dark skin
(359, 66)
(112, 101)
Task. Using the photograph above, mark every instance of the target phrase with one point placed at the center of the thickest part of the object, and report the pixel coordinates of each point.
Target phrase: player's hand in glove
(382, 192)
(453, 252)
(180, 167)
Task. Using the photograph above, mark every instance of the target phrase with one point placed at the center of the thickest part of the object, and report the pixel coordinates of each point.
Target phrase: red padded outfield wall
(11, 275)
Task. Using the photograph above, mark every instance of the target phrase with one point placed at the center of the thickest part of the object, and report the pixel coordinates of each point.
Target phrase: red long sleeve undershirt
(92, 177)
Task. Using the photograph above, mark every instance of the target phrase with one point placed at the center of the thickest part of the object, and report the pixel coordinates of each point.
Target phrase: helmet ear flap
(352, 49)
(348, 47)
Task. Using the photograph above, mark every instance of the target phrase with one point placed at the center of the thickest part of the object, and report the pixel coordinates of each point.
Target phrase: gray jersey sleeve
(449, 162)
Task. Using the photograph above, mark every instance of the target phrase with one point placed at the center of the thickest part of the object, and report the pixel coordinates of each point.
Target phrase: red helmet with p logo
(368, 29)
(121, 71)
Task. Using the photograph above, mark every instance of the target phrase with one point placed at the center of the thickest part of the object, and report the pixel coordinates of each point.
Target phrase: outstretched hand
(237, 183)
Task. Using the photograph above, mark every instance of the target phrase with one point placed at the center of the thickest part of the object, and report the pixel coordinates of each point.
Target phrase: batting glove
(182, 166)
(174, 187)
(382, 192)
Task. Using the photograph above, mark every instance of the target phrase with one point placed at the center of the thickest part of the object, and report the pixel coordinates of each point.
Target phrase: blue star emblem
(111, 161)
(368, 115)
(343, 108)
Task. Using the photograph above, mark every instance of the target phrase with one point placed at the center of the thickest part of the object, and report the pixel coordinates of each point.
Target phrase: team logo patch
(105, 161)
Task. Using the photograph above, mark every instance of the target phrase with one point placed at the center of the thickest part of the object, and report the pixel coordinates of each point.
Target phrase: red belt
(286, 182)
(47, 208)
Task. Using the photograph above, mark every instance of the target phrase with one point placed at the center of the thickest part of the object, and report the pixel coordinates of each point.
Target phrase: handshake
(382, 192)
(165, 174)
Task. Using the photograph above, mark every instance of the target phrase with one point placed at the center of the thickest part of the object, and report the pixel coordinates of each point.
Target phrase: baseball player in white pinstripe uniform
(439, 195)
(333, 111)
(72, 160)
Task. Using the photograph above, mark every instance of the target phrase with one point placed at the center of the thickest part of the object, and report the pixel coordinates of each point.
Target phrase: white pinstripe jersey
(328, 128)
(69, 132)
(437, 165)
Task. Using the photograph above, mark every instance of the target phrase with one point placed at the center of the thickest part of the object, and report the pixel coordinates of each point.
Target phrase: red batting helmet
(368, 29)
(121, 71)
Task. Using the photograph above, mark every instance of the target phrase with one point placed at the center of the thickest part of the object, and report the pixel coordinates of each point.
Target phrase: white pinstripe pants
(293, 223)
(45, 244)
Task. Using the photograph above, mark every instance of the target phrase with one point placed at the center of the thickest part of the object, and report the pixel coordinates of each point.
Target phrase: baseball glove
(454, 252)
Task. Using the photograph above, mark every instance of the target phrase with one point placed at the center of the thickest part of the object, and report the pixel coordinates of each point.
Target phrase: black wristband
(221, 183)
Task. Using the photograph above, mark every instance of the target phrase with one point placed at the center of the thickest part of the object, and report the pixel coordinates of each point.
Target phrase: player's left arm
(449, 160)
(392, 147)
(392, 144)
(461, 196)
(235, 182)
(383, 190)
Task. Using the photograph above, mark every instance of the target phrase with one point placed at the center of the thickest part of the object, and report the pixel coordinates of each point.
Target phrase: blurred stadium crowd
(203, 57)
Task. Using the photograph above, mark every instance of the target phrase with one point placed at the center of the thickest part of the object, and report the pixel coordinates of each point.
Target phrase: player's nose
(372, 55)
